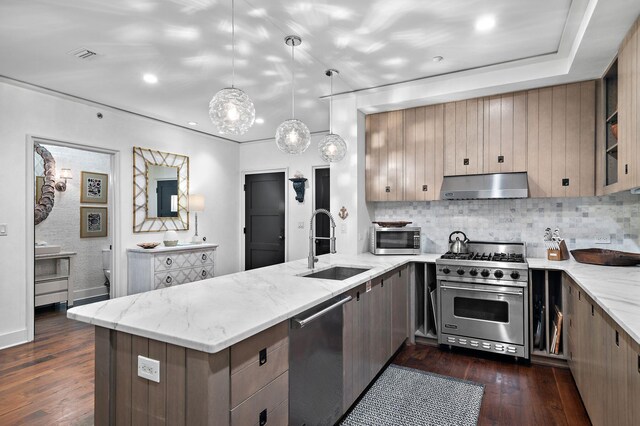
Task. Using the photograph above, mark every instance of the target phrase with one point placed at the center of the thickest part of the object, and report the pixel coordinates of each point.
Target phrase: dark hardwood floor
(514, 394)
(50, 381)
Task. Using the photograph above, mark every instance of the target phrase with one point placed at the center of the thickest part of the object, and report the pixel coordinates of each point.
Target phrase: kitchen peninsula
(193, 326)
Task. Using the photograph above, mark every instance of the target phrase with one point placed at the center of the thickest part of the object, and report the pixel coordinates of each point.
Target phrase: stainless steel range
(483, 299)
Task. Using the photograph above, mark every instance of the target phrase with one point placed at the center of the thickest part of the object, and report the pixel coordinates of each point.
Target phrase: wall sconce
(64, 174)
(298, 186)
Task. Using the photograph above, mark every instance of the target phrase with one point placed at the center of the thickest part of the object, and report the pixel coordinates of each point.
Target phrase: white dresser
(168, 266)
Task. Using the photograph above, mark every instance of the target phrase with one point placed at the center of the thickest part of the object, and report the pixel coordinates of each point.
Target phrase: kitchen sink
(338, 273)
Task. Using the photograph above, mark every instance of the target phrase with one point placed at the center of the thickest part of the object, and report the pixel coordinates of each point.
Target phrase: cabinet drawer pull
(465, 162)
(263, 417)
(203, 273)
(565, 182)
(169, 261)
(593, 311)
(638, 363)
(168, 280)
(617, 338)
(626, 169)
(263, 356)
(425, 188)
(204, 257)
(387, 189)
(500, 158)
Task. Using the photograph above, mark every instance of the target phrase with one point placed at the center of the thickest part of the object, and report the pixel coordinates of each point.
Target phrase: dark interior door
(264, 220)
(165, 189)
(322, 202)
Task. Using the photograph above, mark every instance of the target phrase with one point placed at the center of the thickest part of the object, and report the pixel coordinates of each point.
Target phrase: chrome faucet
(332, 247)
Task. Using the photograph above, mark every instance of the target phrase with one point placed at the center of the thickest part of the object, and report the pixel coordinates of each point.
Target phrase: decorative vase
(614, 130)
(170, 239)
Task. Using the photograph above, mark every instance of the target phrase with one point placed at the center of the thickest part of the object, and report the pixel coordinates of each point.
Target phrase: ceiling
(187, 45)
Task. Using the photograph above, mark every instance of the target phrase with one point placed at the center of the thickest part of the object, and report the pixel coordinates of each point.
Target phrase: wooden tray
(392, 224)
(596, 256)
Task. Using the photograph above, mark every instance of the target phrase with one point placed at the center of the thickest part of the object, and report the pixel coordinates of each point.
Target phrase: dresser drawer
(271, 403)
(51, 286)
(47, 299)
(182, 276)
(189, 259)
(258, 360)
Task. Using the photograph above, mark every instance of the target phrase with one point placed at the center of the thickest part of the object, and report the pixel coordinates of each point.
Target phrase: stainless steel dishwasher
(315, 364)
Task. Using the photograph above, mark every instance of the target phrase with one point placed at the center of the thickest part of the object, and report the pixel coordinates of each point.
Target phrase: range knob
(515, 275)
(460, 271)
(498, 274)
(446, 270)
(473, 272)
(485, 273)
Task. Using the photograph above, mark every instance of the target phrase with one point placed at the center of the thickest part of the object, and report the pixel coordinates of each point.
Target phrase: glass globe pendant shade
(293, 136)
(332, 148)
(232, 112)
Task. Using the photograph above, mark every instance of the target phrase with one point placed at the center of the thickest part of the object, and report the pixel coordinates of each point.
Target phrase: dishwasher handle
(299, 323)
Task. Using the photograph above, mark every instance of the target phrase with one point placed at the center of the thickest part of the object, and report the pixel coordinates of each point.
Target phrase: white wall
(62, 226)
(213, 173)
(260, 156)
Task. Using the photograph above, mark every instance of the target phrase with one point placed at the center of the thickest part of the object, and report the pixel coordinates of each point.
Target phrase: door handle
(281, 237)
(302, 322)
(515, 293)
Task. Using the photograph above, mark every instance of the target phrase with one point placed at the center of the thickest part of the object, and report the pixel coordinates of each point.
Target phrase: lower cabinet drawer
(51, 286)
(47, 299)
(269, 406)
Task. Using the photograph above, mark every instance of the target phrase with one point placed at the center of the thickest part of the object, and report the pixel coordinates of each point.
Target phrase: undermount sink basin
(338, 273)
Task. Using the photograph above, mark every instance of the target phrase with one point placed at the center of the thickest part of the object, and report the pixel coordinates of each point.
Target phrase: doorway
(264, 232)
(321, 200)
(72, 262)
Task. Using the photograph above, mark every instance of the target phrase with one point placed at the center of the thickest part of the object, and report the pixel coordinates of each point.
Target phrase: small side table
(56, 287)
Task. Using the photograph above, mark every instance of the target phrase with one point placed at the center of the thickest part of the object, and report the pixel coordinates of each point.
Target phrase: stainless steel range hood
(494, 185)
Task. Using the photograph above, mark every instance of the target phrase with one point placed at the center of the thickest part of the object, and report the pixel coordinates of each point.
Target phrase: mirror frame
(45, 204)
(142, 157)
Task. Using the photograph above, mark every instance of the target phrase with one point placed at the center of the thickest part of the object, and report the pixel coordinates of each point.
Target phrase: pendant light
(293, 136)
(231, 110)
(332, 147)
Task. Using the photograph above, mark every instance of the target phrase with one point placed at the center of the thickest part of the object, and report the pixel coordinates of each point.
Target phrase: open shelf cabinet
(425, 289)
(547, 298)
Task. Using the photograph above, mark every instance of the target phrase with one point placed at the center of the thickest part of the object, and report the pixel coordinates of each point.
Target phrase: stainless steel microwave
(395, 240)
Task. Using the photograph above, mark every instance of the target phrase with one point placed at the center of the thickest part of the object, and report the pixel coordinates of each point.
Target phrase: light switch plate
(149, 368)
(602, 239)
(3, 230)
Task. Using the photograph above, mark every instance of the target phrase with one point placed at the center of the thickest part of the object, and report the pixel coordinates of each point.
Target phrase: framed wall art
(94, 222)
(95, 188)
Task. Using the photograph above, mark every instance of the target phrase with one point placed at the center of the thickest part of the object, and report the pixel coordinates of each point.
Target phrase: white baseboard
(13, 338)
(84, 293)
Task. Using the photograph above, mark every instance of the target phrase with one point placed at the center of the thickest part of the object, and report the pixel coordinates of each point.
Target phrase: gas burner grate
(487, 257)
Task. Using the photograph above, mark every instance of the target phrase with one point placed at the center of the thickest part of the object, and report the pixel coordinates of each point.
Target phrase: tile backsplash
(580, 220)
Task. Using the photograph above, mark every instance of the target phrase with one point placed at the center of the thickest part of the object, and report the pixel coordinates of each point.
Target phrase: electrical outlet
(149, 368)
(343, 228)
(3, 230)
(602, 239)
(300, 225)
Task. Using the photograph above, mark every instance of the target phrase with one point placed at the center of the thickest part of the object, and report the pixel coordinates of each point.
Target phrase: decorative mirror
(160, 191)
(45, 180)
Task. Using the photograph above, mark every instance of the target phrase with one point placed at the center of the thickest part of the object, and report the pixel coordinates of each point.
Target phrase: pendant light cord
(293, 81)
(233, 43)
(331, 104)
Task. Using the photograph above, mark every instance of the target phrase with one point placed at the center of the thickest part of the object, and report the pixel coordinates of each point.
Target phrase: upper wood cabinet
(384, 156)
(561, 140)
(424, 144)
(548, 132)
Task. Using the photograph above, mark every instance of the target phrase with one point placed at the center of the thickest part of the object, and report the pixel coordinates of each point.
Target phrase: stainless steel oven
(483, 300)
(486, 312)
(395, 240)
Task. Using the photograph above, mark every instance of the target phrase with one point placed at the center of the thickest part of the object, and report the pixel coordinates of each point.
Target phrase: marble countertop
(180, 247)
(616, 289)
(213, 314)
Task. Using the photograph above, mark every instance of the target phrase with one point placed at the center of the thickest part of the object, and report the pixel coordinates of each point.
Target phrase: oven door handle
(515, 293)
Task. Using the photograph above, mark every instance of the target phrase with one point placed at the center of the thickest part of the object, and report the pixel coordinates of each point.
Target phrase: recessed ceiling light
(192, 123)
(485, 23)
(259, 120)
(437, 58)
(150, 78)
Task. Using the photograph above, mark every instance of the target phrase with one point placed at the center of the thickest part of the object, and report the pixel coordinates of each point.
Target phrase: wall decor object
(94, 222)
(148, 163)
(343, 213)
(46, 191)
(95, 188)
(298, 186)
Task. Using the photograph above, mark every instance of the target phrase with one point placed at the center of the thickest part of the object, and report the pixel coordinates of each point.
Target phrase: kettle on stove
(458, 246)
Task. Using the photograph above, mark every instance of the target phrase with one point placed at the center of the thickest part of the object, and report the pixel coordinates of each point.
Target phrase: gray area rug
(405, 396)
